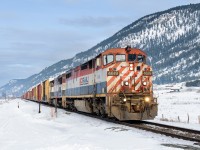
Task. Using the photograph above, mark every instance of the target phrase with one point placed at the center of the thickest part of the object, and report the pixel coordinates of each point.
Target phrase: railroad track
(168, 130)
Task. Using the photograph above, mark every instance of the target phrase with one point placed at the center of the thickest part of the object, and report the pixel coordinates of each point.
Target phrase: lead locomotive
(117, 83)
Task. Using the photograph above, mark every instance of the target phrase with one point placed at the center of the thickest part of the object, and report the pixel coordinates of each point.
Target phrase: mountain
(170, 38)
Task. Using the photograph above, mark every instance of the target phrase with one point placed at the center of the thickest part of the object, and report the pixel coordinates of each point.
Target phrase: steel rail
(172, 127)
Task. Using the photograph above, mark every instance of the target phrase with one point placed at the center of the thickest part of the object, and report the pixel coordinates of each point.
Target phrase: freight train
(116, 84)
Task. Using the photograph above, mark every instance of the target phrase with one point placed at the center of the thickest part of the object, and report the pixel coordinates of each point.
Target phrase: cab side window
(140, 58)
(108, 59)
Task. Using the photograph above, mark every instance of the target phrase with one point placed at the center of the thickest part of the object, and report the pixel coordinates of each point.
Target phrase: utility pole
(5, 95)
(39, 107)
(56, 105)
(56, 100)
(39, 96)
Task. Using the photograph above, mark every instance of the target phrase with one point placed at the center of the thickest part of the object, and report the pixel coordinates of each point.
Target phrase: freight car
(116, 83)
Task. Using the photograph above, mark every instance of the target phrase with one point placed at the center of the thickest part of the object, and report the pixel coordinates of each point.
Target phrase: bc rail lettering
(84, 80)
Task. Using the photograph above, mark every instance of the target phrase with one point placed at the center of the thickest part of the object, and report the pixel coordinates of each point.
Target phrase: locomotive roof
(110, 51)
(123, 51)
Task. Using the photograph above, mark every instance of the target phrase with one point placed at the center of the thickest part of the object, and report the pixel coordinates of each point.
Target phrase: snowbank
(24, 128)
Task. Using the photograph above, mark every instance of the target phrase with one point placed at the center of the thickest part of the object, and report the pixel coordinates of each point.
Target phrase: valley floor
(179, 108)
(24, 128)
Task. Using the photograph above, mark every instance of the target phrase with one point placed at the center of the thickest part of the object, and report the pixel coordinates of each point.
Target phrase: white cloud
(19, 66)
(95, 22)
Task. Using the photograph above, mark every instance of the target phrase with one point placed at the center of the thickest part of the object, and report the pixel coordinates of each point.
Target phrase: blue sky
(34, 34)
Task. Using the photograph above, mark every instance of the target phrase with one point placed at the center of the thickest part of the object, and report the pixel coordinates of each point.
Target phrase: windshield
(120, 57)
(138, 58)
(131, 57)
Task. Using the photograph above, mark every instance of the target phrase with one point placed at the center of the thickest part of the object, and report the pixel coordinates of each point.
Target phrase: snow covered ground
(24, 128)
(174, 105)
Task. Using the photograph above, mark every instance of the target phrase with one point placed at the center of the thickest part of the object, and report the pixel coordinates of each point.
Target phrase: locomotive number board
(147, 73)
(112, 73)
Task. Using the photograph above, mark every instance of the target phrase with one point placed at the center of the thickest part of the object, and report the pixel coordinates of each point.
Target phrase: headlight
(147, 99)
(126, 83)
(144, 83)
(131, 67)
